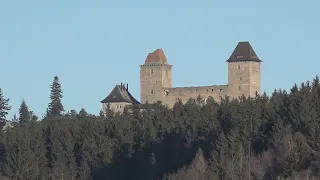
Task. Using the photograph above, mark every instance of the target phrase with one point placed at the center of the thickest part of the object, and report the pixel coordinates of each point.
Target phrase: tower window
(239, 67)
(220, 90)
(151, 71)
(151, 91)
(240, 78)
(239, 88)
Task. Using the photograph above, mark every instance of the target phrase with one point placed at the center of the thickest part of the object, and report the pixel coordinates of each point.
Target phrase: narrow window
(239, 88)
(239, 67)
(151, 91)
(211, 89)
(240, 78)
(151, 71)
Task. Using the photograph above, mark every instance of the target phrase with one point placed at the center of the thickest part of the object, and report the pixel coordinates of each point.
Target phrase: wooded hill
(274, 137)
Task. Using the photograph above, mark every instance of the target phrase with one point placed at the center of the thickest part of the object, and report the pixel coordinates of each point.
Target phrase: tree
(4, 108)
(33, 117)
(15, 119)
(24, 114)
(55, 106)
(83, 113)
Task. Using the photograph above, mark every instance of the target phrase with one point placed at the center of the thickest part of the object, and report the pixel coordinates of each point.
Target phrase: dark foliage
(256, 138)
(4, 108)
(24, 114)
(55, 107)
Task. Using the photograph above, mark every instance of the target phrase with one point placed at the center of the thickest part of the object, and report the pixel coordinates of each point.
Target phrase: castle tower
(243, 71)
(155, 74)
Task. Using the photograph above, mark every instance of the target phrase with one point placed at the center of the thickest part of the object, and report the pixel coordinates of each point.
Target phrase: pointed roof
(243, 52)
(120, 94)
(156, 56)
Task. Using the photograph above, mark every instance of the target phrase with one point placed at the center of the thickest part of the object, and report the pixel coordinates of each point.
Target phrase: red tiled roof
(156, 56)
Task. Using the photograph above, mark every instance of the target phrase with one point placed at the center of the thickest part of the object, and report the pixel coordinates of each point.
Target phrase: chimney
(121, 85)
(127, 87)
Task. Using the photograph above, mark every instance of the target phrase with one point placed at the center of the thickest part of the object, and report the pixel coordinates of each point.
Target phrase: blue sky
(93, 45)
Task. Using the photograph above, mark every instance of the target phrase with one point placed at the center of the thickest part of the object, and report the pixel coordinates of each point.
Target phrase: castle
(156, 81)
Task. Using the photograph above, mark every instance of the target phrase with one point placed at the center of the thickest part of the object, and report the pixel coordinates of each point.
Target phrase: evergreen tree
(55, 106)
(73, 113)
(101, 115)
(24, 114)
(4, 108)
(83, 113)
(15, 119)
(33, 117)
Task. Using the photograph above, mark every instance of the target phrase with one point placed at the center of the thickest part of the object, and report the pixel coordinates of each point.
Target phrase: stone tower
(243, 71)
(155, 75)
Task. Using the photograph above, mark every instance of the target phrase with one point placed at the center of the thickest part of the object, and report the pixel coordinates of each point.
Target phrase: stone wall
(153, 77)
(115, 107)
(243, 79)
(172, 95)
(255, 78)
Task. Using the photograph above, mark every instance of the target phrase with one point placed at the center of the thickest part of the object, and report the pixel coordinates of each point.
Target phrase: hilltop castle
(156, 81)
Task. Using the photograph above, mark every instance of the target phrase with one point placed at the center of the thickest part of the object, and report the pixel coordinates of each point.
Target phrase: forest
(265, 137)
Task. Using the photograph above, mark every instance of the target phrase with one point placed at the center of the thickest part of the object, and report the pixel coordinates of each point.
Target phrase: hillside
(257, 138)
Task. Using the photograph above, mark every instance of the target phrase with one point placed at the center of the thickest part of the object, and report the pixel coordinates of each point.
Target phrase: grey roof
(243, 52)
(120, 94)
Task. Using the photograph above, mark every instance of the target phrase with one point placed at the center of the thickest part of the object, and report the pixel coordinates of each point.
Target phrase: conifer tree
(55, 106)
(15, 119)
(24, 114)
(4, 108)
(33, 117)
(83, 113)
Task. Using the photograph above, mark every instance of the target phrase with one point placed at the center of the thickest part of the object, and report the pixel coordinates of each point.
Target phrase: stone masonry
(156, 82)
(243, 79)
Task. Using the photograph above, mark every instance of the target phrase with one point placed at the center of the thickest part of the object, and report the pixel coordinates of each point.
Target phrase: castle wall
(153, 77)
(243, 78)
(115, 107)
(172, 95)
(255, 78)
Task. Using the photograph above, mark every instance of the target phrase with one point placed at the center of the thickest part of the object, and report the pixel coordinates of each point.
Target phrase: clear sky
(94, 45)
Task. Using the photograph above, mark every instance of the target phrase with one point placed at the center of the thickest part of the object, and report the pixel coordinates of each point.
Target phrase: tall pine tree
(24, 114)
(55, 106)
(4, 108)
